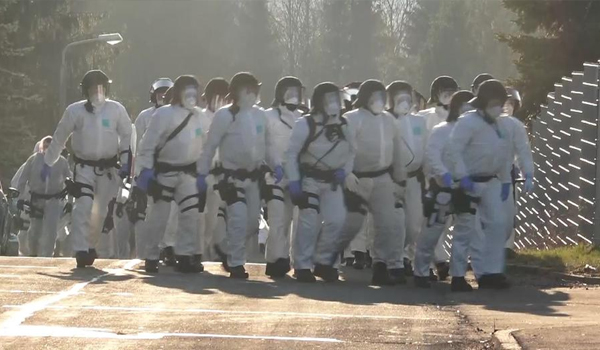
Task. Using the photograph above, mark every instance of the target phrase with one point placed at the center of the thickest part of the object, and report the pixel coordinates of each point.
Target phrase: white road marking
(228, 312)
(27, 310)
(76, 332)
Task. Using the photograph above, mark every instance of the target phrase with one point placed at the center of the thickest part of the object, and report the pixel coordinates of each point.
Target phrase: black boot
(278, 269)
(368, 260)
(92, 256)
(398, 275)
(348, 261)
(408, 268)
(238, 272)
(197, 263)
(422, 282)
(360, 260)
(459, 284)
(432, 276)
(443, 270)
(183, 264)
(168, 256)
(326, 272)
(222, 257)
(381, 276)
(82, 258)
(151, 266)
(493, 281)
(304, 275)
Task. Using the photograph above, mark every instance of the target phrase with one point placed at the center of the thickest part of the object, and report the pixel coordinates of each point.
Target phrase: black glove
(20, 204)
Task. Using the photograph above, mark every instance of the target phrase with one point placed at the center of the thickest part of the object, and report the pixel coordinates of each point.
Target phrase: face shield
(494, 108)
(160, 97)
(332, 104)
(377, 102)
(96, 95)
(248, 96)
(509, 108)
(402, 103)
(189, 97)
(445, 96)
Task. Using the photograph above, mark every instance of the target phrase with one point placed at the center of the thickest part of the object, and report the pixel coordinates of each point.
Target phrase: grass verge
(575, 259)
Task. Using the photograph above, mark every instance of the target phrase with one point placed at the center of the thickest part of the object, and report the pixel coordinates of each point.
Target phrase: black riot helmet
(396, 87)
(318, 95)
(92, 78)
(282, 85)
(349, 95)
(242, 80)
(182, 82)
(160, 85)
(440, 84)
(479, 80)
(458, 100)
(515, 97)
(365, 91)
(216, 86)
(488, 91)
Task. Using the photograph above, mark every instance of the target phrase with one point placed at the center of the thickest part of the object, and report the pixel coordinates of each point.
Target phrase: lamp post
(111, 39)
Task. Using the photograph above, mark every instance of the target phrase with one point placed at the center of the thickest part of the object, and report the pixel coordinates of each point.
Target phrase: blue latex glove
(467, 184)
(505, 191)
(340, 176)
(278, 174)
(295, 188)
(143, 180)
(447, 180)
(201, 184)
(124, 171)
(45, 173)
(528, 186)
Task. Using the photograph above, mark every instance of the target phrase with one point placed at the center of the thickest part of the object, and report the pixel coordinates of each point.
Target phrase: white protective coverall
(377, 159)
(520, 151)
(241, 140)
(141, 125)
(436, 165)
(45, 212)
(22, 234)
(331, 149)
(101, 135)
(480, 150)
(280, 122)
(182, 151)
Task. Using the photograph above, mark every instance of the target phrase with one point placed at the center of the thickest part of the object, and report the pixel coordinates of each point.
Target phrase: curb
(546, 271)
(504, 339)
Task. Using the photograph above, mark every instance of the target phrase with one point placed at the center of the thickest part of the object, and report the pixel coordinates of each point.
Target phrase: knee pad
(308, 201)
(231, 194)
(355, 203)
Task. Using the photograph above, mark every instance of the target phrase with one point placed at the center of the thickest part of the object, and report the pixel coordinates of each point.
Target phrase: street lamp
(111, 39)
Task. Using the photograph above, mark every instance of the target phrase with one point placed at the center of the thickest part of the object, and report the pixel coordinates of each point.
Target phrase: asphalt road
(47, 304)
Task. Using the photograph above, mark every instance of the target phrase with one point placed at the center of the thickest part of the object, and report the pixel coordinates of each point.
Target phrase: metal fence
(563, 209)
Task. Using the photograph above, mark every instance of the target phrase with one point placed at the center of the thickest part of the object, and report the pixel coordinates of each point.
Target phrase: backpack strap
(172, 135)
(312, 128)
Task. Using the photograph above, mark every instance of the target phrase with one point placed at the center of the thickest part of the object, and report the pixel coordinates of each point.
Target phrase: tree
(556, 38)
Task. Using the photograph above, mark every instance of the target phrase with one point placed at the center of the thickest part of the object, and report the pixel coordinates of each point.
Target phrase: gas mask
(97, 96)
(291, 98)
(377, 102)
(189, 98)
(509, 109)
(444, 97)
(493, 112)
(332, 104)
(402, 104)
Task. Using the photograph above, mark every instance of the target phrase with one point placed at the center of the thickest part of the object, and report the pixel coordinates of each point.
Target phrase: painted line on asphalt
(27, 267)
(226, 312)
(27, 310)
(91, 333)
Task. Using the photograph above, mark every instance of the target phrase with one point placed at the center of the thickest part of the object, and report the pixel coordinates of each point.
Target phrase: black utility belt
(243, 174)
(415, 173)
(483, 178)
(322, 175)
(372, 174)
(105, 163)
(60, 194)
(161, 168)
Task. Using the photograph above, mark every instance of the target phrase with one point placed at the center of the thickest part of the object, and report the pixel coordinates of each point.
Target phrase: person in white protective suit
(239, 133)
(437, 202)
(158, 92)
(478, 153)
(45, 199)
(101, 131)
(521, 152)
(319, 156)
(216, 97)
(370, 186)
(280, 120)
(442, 89)
(400, 100)
(167, 165)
